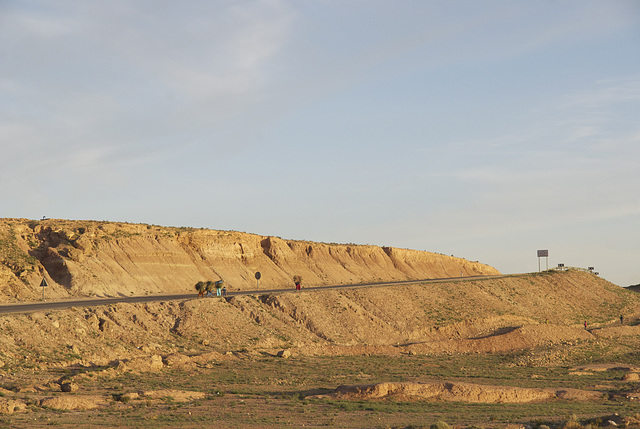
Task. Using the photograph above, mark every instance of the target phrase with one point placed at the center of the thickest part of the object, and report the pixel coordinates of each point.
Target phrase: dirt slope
(495, 315)
(489, 315)
(541, 315)
(85, 258)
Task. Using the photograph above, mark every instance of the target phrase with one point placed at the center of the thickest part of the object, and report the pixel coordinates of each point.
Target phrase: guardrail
(563, 268)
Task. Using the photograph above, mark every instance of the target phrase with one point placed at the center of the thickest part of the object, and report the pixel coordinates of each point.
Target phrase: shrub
(440, 425)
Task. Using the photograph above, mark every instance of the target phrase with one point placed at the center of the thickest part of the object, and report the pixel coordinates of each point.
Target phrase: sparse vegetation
(12, 256)
(514, 332)
(246, 391)
(440, 425)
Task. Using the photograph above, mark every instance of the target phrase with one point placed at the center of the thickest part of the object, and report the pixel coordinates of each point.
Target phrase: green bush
(440, 425)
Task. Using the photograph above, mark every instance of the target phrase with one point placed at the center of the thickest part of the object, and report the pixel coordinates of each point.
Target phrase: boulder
(175, 395)
(285, 354)
(9, 406)
(142, 364)
(74, 402)
(178, 360)
(69, 387)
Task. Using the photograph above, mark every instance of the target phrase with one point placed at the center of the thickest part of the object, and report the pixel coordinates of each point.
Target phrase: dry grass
(265, 391)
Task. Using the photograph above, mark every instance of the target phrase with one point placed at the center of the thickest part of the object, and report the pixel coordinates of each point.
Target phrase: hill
(101, 258)
(494, 340)
(88, 258)
(472, 316)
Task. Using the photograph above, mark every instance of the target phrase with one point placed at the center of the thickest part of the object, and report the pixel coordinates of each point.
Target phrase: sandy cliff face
(80, 258)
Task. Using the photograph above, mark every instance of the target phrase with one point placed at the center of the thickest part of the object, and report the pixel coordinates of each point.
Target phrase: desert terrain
(508, 351)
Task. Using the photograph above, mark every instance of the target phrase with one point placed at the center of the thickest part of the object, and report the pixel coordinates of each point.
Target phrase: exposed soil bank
(478, 316)
(86, 258)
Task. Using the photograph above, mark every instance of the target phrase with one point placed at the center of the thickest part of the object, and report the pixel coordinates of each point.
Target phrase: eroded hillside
(87, 258)
(478, 316)
(121, 359)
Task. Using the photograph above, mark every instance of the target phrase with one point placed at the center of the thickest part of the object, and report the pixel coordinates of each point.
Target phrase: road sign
(43, 284)
(258, 275)
(543, 254)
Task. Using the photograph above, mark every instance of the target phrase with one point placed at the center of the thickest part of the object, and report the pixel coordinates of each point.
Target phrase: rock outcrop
(87, 258)
(457, 392)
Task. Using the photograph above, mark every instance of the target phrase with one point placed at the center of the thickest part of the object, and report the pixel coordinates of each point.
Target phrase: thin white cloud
(416, 121)
(34, 24)
(571, 22)
(576, 165)
(132, 74)
(581, 133)
(227, 55)
(603, 94)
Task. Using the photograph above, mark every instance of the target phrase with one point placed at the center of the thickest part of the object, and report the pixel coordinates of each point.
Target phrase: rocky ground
(483, 352)
(59, 360)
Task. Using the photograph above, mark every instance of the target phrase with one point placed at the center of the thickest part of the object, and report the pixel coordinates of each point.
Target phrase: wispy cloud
(479, 123)
(131, 74)
(602, 95)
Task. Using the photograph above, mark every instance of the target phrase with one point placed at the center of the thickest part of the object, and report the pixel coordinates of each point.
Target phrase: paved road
(30, 307)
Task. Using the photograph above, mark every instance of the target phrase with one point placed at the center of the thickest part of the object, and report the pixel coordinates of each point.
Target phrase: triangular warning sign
(43, 283)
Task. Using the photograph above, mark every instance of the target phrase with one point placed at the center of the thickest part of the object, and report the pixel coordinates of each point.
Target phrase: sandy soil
(66, 359)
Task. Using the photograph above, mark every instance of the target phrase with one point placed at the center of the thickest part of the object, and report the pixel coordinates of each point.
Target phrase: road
(29, 307)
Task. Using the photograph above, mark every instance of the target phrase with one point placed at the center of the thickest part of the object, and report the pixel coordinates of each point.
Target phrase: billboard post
(543, 254)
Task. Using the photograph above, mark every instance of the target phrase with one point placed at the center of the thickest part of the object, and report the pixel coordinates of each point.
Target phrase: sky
(485, 129)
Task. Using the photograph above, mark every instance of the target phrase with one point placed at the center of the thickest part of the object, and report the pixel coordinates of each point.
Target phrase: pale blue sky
(482, 129)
